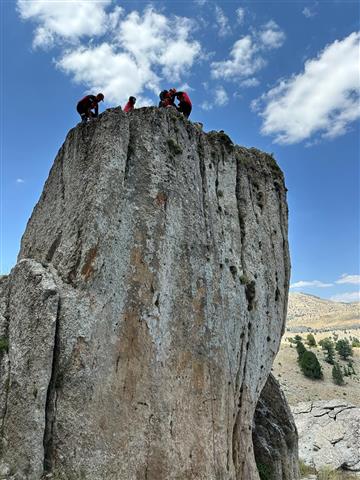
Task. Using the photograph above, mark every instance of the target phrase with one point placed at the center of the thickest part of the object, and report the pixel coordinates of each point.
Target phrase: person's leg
(81, 113)
(185, 109)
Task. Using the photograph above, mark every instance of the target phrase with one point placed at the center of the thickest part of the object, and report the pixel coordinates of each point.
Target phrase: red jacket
(88, 102)
(129, 107)
(184, 97)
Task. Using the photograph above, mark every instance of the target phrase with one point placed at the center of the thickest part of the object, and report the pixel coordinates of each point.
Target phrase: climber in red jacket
(185, 105)
(166, 99)
(129, 107)
(87, 104)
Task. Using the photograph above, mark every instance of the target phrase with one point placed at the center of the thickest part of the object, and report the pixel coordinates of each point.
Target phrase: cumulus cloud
(271, 36)
(323, 99)
(240, 14)
(309, 12)
(222, 22)
(127, 53)
(311, 283)
(243, 61)
(347, 297)
(246, 56)
(350, 279)
(68, 20)
(220, 99)
(104, 69)
(250, 82)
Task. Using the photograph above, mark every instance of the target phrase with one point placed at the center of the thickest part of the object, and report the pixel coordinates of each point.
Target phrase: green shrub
(327, 473)
(4, 345)
(300, 348)
(310, 340)
(305, 469)
(337, 375)
(343, 348)
(310, 365)
(329, 347)
(355, 343)
(174, 148)
(265, 471)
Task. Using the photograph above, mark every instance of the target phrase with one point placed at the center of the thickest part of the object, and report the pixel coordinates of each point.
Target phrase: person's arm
(96, 108)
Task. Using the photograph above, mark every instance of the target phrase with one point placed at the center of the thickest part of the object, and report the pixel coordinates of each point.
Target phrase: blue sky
(281, 76)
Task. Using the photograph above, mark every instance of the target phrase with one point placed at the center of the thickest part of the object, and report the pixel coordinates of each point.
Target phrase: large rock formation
(329, 434)
(146, 307)
(274, 435)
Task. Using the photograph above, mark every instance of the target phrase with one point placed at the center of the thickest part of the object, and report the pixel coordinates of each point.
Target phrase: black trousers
(184, 108)
(83, 112)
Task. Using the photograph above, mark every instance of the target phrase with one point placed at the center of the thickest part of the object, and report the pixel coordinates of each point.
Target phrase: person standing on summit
(185, 105)
(129, 107)
(87, 104)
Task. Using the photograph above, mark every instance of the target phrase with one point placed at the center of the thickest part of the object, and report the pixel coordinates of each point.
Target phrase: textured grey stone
(329, 434)
(167, 255)
(274, 435)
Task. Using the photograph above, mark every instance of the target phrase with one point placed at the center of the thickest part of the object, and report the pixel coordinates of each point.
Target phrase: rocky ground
(327, 415)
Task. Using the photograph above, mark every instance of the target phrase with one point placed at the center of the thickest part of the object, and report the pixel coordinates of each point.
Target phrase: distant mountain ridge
(309, 311)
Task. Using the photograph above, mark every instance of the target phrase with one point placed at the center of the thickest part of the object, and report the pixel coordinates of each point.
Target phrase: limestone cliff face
(146, 306)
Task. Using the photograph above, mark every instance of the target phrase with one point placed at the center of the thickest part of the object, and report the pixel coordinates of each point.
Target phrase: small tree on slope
(344, 349)
(337, 375)
(310, 365)
(310, 340)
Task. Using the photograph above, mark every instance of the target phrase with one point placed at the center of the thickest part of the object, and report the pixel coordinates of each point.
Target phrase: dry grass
(298, 388)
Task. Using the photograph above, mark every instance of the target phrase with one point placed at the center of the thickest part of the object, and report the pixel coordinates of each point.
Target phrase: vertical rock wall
(146, 307)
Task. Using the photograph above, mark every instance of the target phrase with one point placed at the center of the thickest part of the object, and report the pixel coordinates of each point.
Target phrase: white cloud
(222, 21)
(271, 36)
(155, 39)
(135, 52)
(350, 279)
(240, 13)
(347, 297)
(250, 82)
(206, 105)
(309, 12)
(20, 180)
(323, 99)
(65, 19)
(102, 68)
(243, 61)
(246, 56)
(312, 283)
(221, 97)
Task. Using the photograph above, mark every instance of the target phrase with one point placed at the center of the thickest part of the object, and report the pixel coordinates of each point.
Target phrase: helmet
(132, 99)
(100, 97)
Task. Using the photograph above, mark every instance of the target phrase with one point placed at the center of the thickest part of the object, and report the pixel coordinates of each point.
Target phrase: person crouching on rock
(166, 99)
(87, 104)
(129, 107)
(185, 105)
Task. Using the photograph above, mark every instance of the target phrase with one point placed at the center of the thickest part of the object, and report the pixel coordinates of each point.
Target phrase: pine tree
(351, 369)
(310, 340)
(310, 365)
(329, 348)
(344, 349)
(337, 375)
(300, 348)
